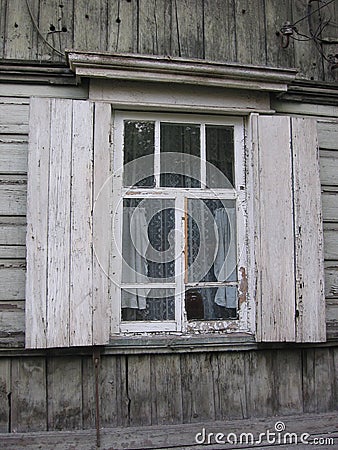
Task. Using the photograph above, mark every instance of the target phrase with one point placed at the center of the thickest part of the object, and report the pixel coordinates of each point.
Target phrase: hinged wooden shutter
(286, 204)
(67, 301)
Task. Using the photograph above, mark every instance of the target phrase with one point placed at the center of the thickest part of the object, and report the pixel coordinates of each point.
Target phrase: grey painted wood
(331, 241)
(13, 154)
(310, 300)
(276, 314)
(195, 28)
(259, 384)
(189, 28)
(20, 38)
(37, 224)
(318, 380)
(287, 381)
(64, 391)
(58, 250)
(230, 386)
(13, 195)
(329, 167)
(331, 279)
(160, 20)
(81, 226)
(122, 27)
(174, 436)
(139, 390)
(276, 13)
(5, 394)
(330, 205)
(102, 191)
(90, 25)
(110, 391)
(12, 320)
(28, 398)
(197, 388)
(328, 135)
(59, 15)
(250, 49)
(14, 111)
(12, 280)
(306, 54)
(219, 48)
(166, 396)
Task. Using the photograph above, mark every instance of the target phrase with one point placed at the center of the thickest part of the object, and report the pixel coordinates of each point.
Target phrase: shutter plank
(276, 272)
(59, 224)
(37, 216)
(80, 306)
(101, 224)
(310, 299)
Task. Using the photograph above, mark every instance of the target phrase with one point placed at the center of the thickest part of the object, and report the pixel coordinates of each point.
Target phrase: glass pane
(153, 304)
(220, 156)
(181, 167)
(138, 153)
(211, 303)
(211, 240)
(148, 245)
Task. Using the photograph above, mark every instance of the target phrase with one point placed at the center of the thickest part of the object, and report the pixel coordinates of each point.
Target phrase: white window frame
(238, 193)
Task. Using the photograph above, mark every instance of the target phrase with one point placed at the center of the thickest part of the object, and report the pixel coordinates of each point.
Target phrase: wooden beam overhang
(151, 68)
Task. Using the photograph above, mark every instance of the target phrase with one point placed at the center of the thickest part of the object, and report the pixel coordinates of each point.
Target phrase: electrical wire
(40, 33)
(310, 14)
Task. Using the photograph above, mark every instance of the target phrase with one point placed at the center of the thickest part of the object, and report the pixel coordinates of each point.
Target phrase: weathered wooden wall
(328, 141)
(14, 103)
(224, 30)
(58, 392)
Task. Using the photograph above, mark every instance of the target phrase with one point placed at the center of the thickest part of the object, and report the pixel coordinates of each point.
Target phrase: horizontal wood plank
(331, 279)
(12, 280)
(174, 436)
(13, 154)
(15, 115)
(12, 318)
(330, 205)
(329, 167)
(328, 135)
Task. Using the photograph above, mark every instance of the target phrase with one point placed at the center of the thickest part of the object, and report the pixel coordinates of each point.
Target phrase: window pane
(139, 153)
(220, 156)
(182, 167)
(211, 240)
(153, 304)
(148, 246)
(211, 303)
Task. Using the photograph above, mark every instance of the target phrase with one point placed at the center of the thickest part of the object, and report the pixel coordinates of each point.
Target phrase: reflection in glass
(201, 304)
(220, 156)
(179, 170)
(138, 142)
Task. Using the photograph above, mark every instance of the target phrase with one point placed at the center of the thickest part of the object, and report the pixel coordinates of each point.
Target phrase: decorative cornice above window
(166, 69)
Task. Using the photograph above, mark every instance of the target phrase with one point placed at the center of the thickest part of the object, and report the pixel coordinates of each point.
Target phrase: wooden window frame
(238, 193)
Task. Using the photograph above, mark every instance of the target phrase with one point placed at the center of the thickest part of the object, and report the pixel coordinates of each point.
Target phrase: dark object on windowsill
(194, 305)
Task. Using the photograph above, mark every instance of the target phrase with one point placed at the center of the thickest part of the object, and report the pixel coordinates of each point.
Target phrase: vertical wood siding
(57, 392)
(228, 30)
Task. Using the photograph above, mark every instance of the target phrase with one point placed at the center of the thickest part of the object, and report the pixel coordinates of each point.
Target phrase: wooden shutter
(287, 230)
(67, 290)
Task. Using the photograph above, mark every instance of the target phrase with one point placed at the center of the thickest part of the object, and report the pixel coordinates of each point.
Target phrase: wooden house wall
(224, 30)
(13, 183)
(58, 392)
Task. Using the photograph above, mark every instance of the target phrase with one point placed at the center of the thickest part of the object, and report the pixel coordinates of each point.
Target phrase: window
(178, 222)
(157, 202)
